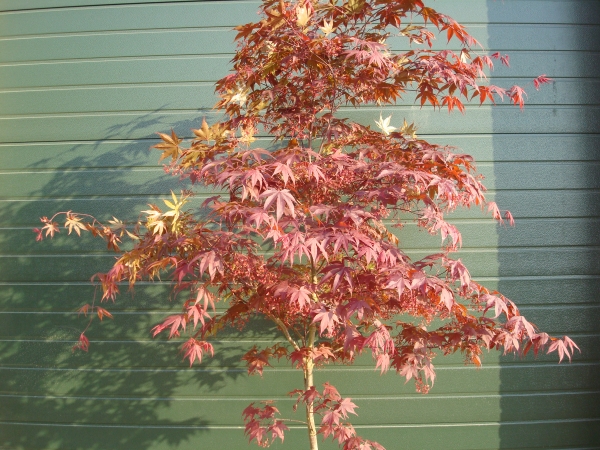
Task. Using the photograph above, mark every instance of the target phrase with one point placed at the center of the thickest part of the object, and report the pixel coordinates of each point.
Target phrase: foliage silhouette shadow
(128, 391)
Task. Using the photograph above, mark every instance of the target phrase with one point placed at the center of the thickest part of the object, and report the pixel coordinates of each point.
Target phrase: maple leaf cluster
(302, 233)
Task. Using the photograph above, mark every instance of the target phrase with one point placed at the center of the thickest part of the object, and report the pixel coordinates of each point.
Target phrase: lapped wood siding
(84, 87)
(562, 268)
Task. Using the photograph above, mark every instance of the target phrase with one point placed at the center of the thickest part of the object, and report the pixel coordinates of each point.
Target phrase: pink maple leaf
(328, 320)
(516, 94)
(281, 198)
(541, 80)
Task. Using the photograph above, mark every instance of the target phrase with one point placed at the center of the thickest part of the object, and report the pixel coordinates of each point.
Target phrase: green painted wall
(547, 174)
(85, 84)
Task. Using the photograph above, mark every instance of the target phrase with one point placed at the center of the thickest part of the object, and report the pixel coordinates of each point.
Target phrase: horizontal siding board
(564, 319)
(539, 435)
(145, 124)
(32, 297)
(137, 326)
(192, 95)
(77, 155)
(475, 234)
(548, 290)
(17, 5)
(515, 37)
(129, 15)
(126, 326)
(523, 11)
(193, 68)
(523, 204)
(117, 98)
(155, 297)
(529, 261)
(226, 411)
(22, 436)
(167, 69)
(161, 354)
(205, 41)
(476, 436)
(153, 181)
(197, 382)
(542, 175)
(210, 41)
(543, 37)
(460, 437)
(542, 203)
(137, 153)
(366, 381)
(87, 182)
(559, 63)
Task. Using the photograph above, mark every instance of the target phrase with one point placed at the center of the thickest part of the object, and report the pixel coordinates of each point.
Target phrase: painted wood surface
(84, 87)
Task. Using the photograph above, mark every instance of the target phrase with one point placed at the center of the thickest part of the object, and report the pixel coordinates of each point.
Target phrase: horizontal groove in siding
(126, 31)
(239, 427)
(46, 5)
(284, 398)
(162, 305)
(248, 341)
(461, 370)
(166, 283)
(159, 306)
(141, 314)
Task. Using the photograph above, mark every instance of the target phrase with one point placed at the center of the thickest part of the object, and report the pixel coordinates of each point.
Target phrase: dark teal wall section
(84, 87)
(555, 244)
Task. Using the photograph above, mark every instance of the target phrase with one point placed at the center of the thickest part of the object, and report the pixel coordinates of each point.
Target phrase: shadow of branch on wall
(129, 391)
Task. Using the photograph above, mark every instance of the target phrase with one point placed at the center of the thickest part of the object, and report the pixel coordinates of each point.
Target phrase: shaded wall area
(547, 172)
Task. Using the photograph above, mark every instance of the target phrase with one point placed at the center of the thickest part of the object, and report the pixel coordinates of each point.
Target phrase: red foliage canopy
(303, 234)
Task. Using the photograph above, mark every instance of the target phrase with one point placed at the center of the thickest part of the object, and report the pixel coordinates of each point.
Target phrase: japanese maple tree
(302, 233)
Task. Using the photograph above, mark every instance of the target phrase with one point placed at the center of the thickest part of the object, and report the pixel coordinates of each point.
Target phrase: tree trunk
(308, 383)
(310, 416)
